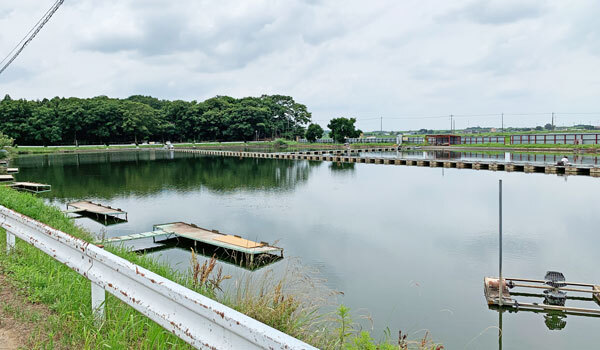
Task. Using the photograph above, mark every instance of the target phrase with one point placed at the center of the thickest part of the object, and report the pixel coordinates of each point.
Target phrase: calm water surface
(408, 246)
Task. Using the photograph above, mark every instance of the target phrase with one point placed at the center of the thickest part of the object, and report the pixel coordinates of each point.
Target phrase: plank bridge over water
(352, 156)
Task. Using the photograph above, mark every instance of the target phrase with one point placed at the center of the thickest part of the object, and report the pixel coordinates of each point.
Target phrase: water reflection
(407, 246)
(500, 157)
(111, 174)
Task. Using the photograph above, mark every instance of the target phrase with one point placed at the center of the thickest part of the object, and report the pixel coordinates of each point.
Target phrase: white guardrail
(198, 320)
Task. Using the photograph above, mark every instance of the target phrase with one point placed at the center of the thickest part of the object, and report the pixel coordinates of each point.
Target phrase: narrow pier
(6, 178)
(194, 234)
(351, 156)
(32, 187)
(97, 211)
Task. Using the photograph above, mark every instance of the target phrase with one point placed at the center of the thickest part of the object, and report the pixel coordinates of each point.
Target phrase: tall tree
(314, 132)
(342, 128)
(139, 120)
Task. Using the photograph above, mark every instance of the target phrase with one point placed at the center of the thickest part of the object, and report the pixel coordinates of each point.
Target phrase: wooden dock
(491, 291)
(12, 170)
(195, 234)
(6, 178)
(351, 156)
(32, 187)
(97, 211)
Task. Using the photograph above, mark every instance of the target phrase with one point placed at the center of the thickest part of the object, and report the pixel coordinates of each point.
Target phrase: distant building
(443, 140)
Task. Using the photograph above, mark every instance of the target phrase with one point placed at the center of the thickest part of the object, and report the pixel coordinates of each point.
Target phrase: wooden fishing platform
(97, 211)
(6, 178)
(491, 292)
(12, 170)
(32, 187)
(214, 238)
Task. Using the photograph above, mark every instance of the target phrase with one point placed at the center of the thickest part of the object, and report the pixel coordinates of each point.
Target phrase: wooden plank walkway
(33, 187)
(198, 234)
(216, 238)
(350, 156)
(87, 208)
(6, 178)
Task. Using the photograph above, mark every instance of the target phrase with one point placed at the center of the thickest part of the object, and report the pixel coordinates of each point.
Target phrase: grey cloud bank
(341, 58)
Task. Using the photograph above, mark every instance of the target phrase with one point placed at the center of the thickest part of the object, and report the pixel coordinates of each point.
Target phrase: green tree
(314, 132)
(139, 120)
(341, 128)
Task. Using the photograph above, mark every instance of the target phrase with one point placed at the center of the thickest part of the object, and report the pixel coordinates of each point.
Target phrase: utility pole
(552, 120)
(502, 122)
(451, 123)
(381, 125)
(500, 280)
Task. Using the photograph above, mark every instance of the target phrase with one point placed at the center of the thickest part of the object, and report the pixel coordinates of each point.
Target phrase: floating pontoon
(180, 232)
(32, 187)
(6, 178)
(97, 211)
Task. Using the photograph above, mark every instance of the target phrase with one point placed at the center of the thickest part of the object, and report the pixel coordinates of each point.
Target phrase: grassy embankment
(67, 294)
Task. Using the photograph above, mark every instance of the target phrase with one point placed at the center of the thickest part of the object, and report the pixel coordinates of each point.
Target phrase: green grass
(276, 302)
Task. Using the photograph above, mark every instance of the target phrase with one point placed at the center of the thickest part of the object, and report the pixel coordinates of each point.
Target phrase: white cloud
(381, 58)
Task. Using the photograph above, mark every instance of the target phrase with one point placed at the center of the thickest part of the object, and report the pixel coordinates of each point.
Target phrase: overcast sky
(406, 61)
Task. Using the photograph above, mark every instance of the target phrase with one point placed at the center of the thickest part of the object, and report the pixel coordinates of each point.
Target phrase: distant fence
(317, 141)
(409, 139)
(373, 140)
(196, 319)
(356, 140)
(556, 139)
(467, 140)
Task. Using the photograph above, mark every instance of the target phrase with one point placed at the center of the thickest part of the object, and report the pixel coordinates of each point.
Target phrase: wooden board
(95, 208)
(238, 241)
(6, 178)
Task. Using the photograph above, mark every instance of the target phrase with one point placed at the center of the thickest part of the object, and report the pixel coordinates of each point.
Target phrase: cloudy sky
(412, 62)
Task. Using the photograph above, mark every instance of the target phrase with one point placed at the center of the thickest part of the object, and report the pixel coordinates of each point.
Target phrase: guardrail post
(10, 241)
(98, 298)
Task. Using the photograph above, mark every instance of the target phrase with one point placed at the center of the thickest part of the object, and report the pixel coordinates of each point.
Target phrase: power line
(12, 55)
(489, 115)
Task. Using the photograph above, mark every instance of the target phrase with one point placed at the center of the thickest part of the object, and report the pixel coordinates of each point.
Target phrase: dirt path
(20, 326)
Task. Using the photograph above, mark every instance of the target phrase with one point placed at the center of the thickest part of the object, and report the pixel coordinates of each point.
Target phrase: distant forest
(104, 120)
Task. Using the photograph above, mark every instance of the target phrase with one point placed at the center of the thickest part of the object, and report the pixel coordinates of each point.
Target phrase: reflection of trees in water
(141, 173)
(342, 167)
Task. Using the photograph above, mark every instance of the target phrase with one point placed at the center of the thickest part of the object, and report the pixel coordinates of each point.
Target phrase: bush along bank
(275, 301)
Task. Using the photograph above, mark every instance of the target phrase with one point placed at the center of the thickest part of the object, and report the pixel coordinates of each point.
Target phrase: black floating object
(555, 279)
(555, 297)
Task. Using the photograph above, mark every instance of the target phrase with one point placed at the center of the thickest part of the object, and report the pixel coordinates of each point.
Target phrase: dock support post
(501, 281)
(98, 299)
(10, 241)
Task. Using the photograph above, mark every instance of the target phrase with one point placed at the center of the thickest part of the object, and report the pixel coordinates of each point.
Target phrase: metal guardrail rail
(198, 320)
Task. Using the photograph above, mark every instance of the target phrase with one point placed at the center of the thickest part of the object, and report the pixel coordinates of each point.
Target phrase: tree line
(104, 120)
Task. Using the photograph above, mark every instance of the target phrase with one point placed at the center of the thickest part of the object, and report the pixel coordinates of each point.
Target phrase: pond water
(408, 246)
(500, 157)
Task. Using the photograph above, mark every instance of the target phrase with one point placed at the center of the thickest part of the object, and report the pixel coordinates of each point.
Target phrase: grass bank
(70, 324)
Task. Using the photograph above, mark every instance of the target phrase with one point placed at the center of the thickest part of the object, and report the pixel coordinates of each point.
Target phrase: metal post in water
(500, 281)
